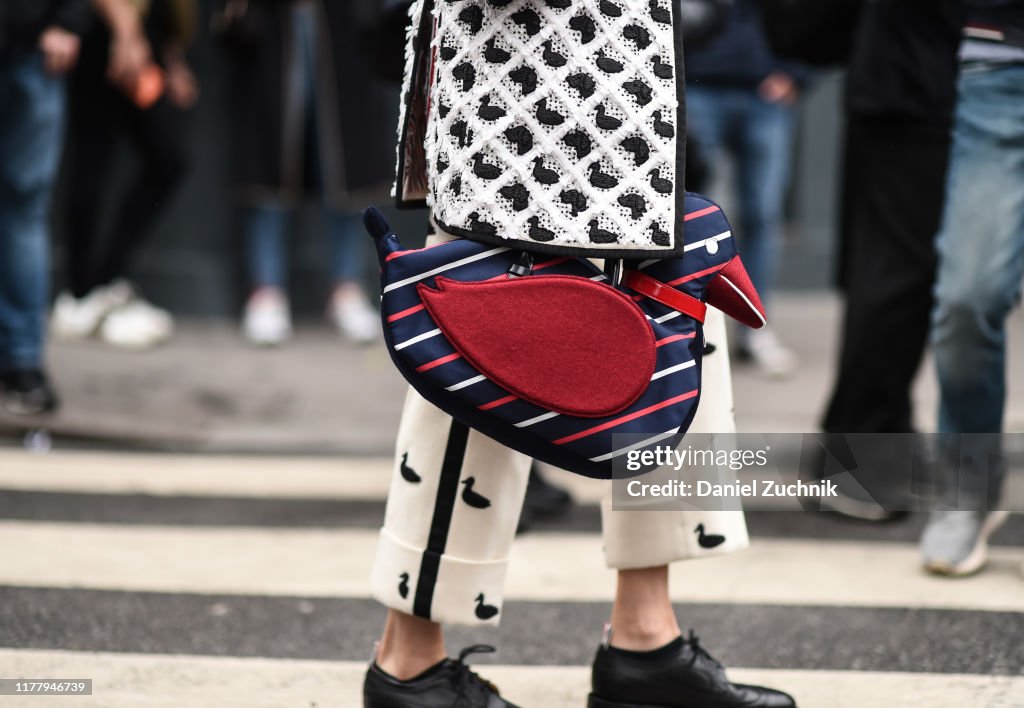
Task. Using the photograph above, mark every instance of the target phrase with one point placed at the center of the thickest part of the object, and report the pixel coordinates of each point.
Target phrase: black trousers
(100, 119)
(893, 191)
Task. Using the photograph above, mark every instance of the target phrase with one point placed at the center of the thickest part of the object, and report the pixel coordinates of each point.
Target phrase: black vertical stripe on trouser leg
(444, 505)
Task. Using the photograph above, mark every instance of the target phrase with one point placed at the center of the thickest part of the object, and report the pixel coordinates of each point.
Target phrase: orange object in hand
(149, 86)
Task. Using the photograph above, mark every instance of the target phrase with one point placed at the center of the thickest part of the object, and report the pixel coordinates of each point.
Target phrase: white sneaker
(267, 320)
(78, 318)
(354, 316)
(137, 324)
(764, 350)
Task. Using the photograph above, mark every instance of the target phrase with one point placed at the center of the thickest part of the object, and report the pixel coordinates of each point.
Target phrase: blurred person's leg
(156, 134)
(891, 217)
(100, 301)
(31, 122)
(709, 123)
(981, 261)
(349, 308)
(644, 659)
(267, 317)
(764, 153)
(894, 184)
(94, 130)
(314, 96)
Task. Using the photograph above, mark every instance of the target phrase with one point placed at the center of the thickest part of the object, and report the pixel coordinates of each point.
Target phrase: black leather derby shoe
(681, 675)
(449, 685)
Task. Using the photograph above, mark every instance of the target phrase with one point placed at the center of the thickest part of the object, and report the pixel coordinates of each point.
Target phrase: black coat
(356, 116)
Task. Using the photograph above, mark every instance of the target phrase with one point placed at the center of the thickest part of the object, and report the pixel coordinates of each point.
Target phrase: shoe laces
(470, 684)
(694, 641)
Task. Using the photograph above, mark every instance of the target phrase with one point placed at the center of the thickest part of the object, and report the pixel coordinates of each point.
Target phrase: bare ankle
(409, 646)
(635, 638)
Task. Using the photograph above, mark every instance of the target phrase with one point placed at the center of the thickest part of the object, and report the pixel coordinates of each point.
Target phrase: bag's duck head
(545, 354)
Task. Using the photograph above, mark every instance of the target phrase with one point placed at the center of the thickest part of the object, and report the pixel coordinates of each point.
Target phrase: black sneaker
(679, 675)
(449, 684)
(27, 392)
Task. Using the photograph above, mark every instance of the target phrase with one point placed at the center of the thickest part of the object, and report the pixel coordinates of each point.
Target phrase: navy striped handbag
(548, 355)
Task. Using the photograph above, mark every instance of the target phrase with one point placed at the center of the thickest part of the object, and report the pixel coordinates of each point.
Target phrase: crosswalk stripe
(352, 478)
(131, 680)
(544, 566)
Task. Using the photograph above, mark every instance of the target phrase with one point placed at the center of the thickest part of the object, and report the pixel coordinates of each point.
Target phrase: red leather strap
(665, 294)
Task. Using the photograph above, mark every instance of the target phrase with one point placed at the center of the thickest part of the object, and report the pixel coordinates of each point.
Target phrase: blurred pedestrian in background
(740, 98)
(132, 84)
(39, 43)
(981, 261)
(900, 91)
(307, 121)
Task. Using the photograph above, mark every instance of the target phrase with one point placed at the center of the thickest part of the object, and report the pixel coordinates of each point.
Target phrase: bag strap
(665, 294)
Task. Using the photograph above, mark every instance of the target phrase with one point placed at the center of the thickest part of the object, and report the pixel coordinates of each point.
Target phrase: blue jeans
(266, 225)
(31, 123)
(981, 258)
(759, 135)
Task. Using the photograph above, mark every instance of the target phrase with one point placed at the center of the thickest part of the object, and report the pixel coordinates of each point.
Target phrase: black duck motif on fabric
(607, 64)
(659, 184)
(403, 585)
(605, 121)
(658, 234)
(542, 174)
(484, 170)
(473, 499)
(538, 232)
(478, 225)
(551, 57)
(547, 116)
(659, 14)
(600, 179)
(599, 235)
(489, 112)
(495, 54)
(661, 69)
(663, 128)
(407, 472)
(708, 540)
(484, 612)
